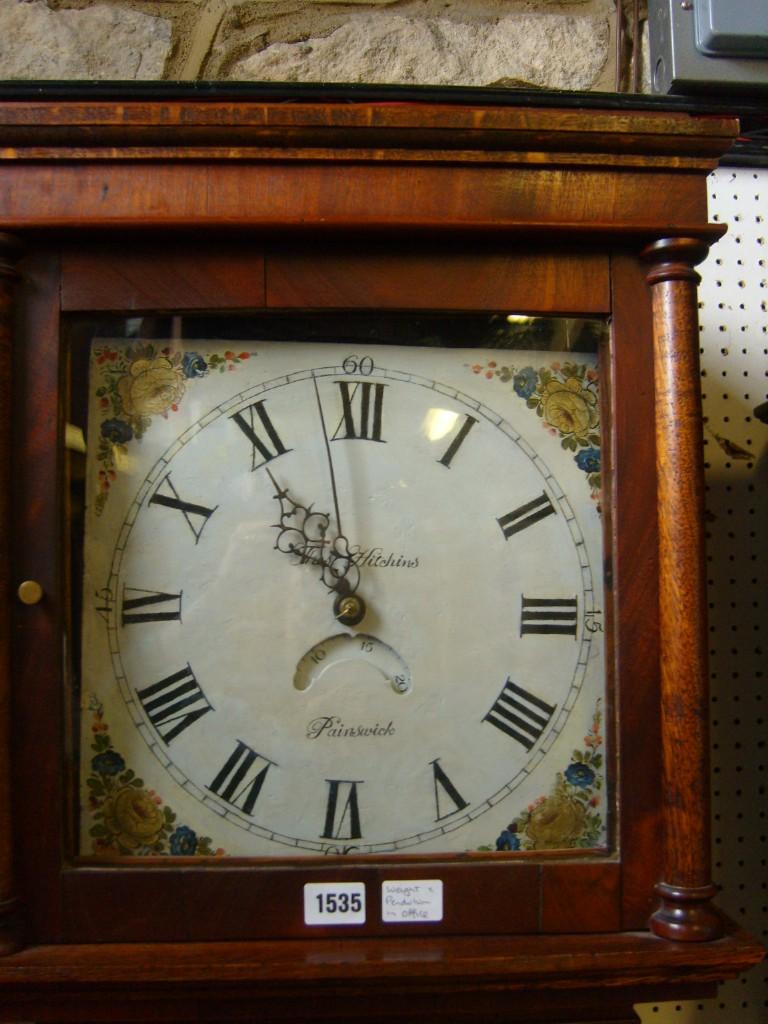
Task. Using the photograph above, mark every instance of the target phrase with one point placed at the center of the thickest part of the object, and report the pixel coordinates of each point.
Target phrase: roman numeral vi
(342, 810)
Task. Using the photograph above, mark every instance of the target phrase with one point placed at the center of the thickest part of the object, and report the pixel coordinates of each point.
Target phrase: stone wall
(555, 44)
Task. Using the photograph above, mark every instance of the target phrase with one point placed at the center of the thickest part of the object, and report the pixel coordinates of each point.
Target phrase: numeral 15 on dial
(329, 903)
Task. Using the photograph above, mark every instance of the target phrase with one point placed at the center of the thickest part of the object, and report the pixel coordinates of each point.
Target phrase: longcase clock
(353, 561)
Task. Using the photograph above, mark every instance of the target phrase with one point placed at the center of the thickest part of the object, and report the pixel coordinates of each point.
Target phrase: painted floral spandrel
(569, 816)
(565, 397)
(137, 383)
(129, 819)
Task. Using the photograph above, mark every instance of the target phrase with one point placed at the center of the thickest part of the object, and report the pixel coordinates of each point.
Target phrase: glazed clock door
(337, 608)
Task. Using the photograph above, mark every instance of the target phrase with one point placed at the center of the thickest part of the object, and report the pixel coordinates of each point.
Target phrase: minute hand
(330, 461)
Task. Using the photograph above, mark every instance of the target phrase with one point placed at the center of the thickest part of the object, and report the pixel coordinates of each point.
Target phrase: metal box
(679, 31)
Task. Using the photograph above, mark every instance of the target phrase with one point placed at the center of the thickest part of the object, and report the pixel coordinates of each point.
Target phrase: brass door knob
(30, 592)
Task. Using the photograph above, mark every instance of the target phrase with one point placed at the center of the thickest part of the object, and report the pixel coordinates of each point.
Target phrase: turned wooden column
(9, 940)
(686, 890)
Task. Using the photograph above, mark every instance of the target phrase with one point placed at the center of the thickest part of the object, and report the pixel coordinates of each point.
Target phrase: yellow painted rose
(151, 386)
(570, 407)
(133, 817)
(556, 823)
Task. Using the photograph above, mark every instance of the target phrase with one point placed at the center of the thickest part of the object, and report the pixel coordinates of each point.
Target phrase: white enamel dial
(429, 496)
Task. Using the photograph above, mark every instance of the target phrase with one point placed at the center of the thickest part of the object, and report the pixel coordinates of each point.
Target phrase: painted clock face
(341, 599)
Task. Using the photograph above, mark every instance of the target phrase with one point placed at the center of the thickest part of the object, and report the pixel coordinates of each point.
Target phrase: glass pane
(341, 585)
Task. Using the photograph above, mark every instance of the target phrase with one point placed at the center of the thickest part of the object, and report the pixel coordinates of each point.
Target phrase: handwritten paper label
(412, 901)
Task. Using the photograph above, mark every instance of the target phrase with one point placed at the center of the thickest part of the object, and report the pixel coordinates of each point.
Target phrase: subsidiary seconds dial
(349, 601)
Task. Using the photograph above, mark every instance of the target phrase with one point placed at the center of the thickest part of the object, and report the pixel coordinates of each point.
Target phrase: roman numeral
(342, 811)
(549, 615)
(174, 703)
(250, 421)
(362, 408)
(456, 443)
(195, 516)
(445, 788)
(105, 608)
(525, 516)
(241, 779)
(520, 714)
(150, 606)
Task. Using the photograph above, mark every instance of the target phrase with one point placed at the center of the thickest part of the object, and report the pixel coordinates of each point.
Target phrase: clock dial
(341, 599)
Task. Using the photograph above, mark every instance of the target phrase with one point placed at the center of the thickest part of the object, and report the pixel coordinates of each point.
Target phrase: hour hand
(304, 534)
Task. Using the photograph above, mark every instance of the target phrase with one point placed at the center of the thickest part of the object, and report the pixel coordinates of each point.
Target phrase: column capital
(673, 259)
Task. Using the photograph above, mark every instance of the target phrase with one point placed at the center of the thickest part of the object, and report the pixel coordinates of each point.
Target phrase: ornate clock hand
(303, 534)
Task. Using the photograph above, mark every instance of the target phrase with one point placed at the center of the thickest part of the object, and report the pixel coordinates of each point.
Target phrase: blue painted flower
(117, 431)
(109, 762)
(588, 459)
(194, 365)
(525, 381)
(579, 774)
(507, 841)
(183, 842)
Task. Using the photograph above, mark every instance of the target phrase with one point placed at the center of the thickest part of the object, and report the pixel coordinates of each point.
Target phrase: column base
(686, 914)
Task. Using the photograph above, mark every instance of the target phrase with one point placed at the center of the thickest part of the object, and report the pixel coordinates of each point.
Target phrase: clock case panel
(541, 893)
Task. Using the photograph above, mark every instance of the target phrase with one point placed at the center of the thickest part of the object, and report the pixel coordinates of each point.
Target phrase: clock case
(185, 204)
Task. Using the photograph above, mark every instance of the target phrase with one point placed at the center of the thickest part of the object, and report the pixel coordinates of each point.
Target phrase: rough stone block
(548, 50)
(97, 42)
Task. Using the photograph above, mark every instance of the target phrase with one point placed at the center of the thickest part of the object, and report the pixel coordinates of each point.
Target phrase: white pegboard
(733, 311)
